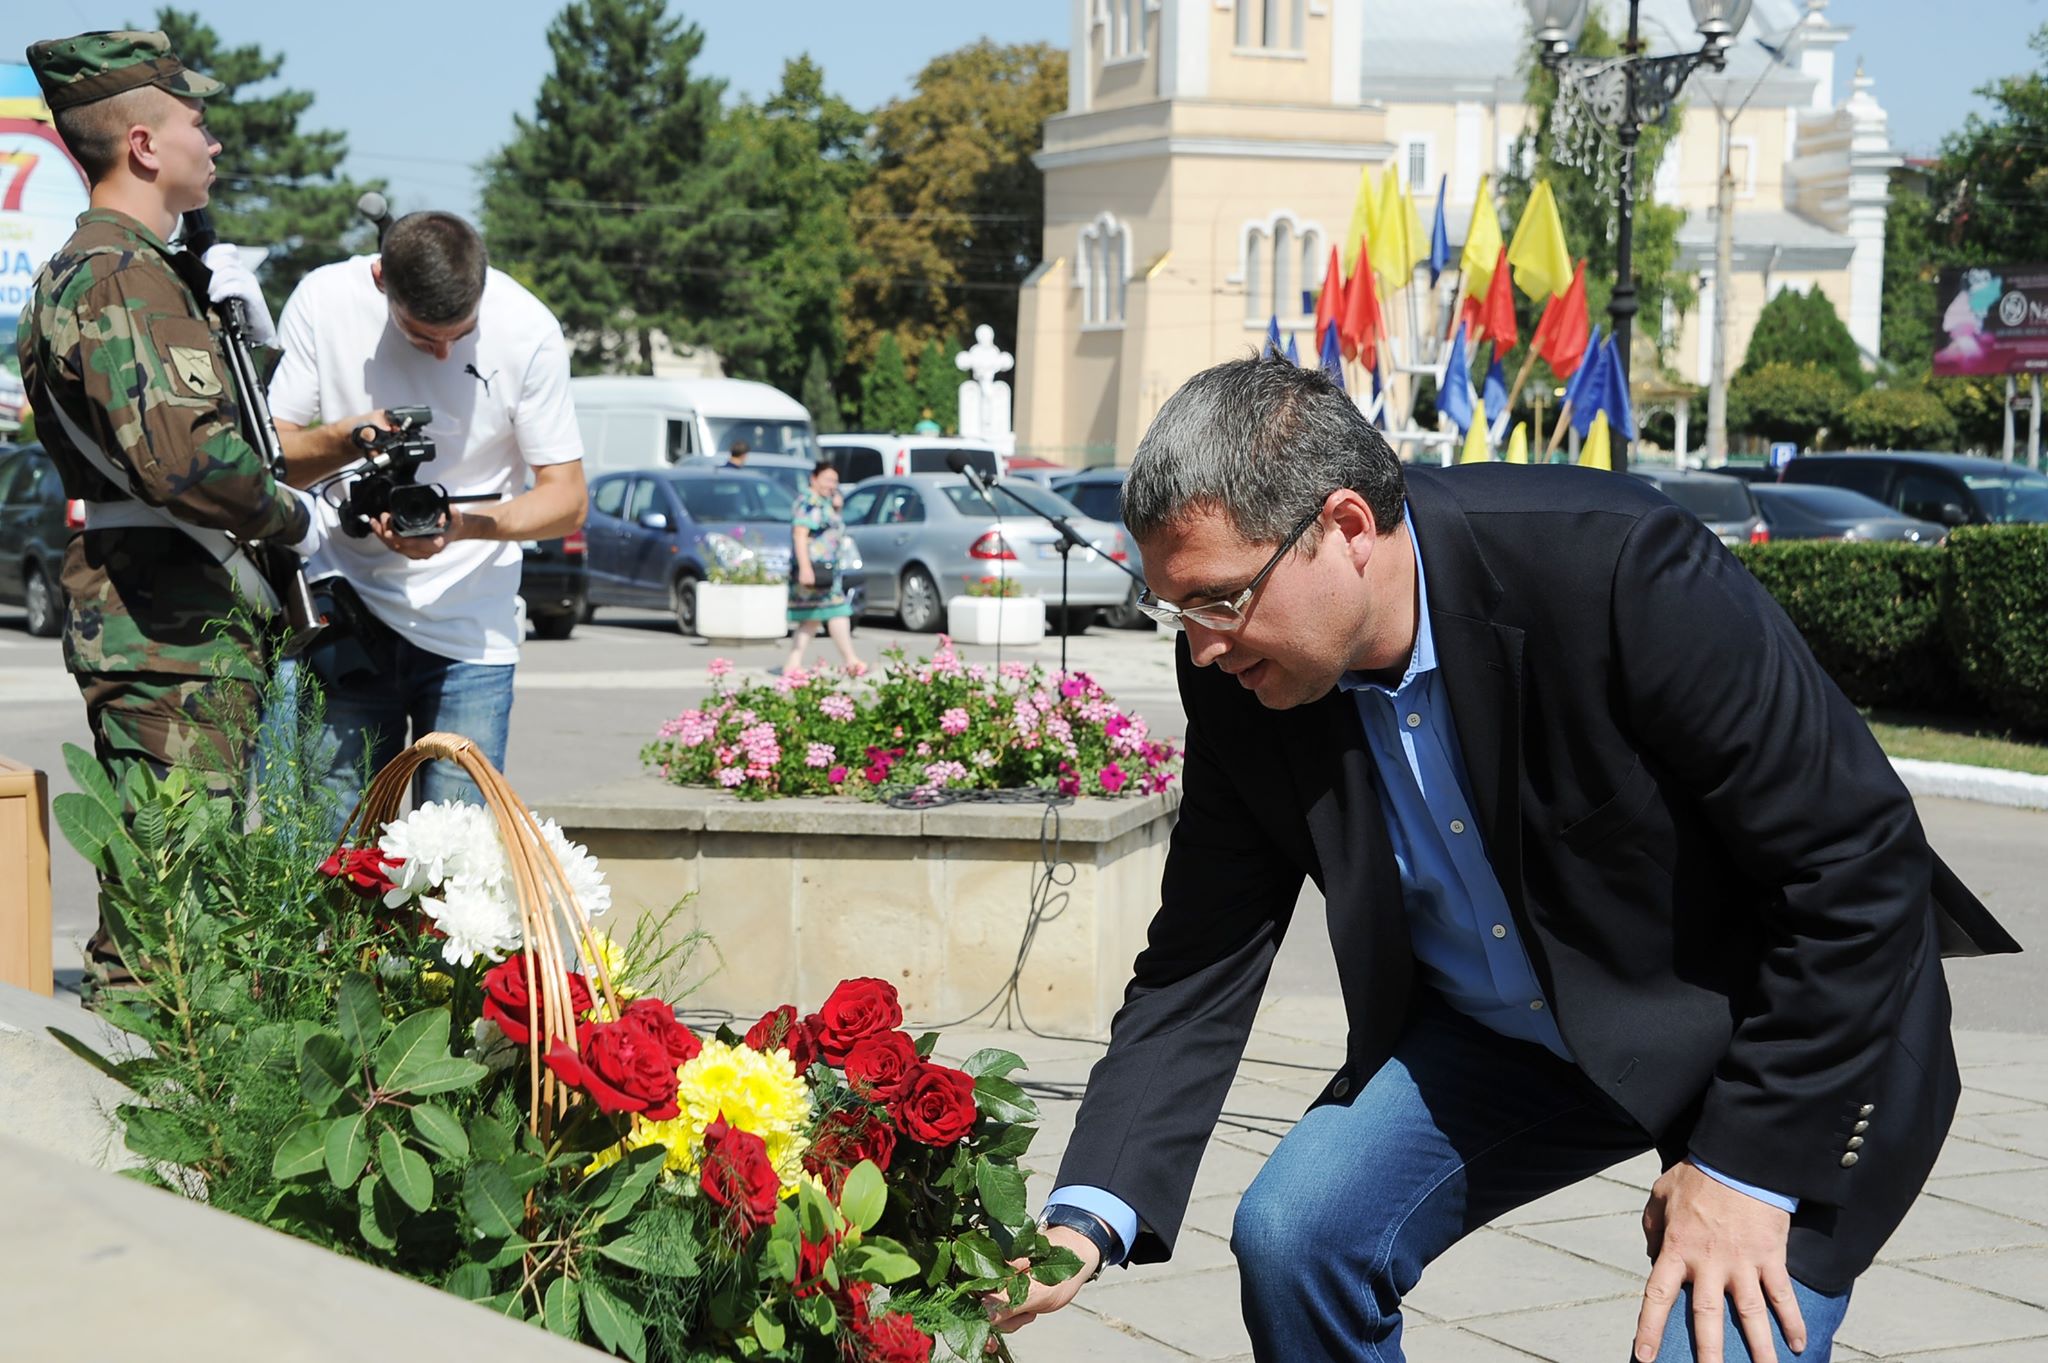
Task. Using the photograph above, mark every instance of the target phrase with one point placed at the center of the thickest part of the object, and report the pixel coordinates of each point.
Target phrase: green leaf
(91, 778)
(563, 1308)
(1002, 1191)
(326, 1070)
(471, 1282)
(925, 1045)
(1056, 1267)
(405, 1169)
(993, 1063)
(942, 1264)
(492, 1200)
(301, 1152)
(1002, 1101)
(157, 1135)
(641, 1168)
(377, 1213)
(613, 1322)
(1011, 1142)
(491, 1137)
(87, 826)
(819, 1313)
(440, 1076)
(814, 1211)
(347, 1147)
(864, 1196)
(977, 1256)
(441, 1130)
(151, 826)
(414, 1043)
(876, 1264)
(121, 1072)
(664, 1262)
(768, 1329)
(359, 1012)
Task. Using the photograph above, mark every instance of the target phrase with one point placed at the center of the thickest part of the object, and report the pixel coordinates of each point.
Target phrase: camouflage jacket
(114, 339)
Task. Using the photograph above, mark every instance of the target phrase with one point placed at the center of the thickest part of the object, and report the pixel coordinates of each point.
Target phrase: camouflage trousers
(163, 719)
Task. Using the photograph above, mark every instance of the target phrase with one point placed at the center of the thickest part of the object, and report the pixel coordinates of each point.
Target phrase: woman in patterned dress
(815, 590)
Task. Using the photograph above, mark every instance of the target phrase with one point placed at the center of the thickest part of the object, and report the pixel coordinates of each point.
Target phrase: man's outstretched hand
(1043, 1299)
(1729, 1246)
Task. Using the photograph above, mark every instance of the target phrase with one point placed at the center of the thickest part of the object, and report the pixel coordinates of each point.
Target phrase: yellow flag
(1518, 443)
(1543, 266)
(1594, 453)
(1477, 451)
(1392, 254)
(1361, 222)
(1482, 243)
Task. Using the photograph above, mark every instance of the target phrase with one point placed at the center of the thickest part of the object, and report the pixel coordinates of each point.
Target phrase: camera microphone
(374, 207)
(965, 467)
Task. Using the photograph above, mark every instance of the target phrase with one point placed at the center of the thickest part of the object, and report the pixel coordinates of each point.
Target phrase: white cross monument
(984, 398)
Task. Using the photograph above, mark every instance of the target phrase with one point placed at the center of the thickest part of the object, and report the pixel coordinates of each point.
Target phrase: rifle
(281, 568)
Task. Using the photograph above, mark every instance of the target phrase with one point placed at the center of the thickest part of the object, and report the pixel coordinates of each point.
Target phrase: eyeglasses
(1228, 614)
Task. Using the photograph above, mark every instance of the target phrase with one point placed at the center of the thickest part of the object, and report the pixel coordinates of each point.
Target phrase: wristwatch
(1109, 1245)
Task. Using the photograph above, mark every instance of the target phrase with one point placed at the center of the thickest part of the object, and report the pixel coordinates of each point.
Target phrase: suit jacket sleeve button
(1860, 1127)
(1849, 1160)
(1866, 1109)
(1855, 1143)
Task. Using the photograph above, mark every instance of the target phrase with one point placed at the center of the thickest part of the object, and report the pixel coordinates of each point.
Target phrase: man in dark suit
(1610, 866)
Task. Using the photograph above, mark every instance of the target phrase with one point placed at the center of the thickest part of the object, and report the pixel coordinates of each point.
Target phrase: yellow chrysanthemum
(754, 1091)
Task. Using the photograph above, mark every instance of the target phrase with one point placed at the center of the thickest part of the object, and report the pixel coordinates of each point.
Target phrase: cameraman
(428, 323)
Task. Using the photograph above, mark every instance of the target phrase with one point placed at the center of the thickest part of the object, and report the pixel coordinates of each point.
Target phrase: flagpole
(1564, 421)
(1521, 377)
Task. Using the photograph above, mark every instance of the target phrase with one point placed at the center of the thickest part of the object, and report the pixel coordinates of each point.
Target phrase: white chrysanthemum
(586, 881)
(440, 843)
(479, 921)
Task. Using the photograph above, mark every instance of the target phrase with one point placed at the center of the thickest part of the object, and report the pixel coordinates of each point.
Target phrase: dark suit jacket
(1723, 886)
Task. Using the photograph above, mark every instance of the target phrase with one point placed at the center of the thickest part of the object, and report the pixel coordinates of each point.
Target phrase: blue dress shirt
(1466, 944)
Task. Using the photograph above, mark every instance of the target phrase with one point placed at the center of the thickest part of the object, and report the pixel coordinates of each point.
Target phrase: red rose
(780, 1030)
(936, 1105)
(844, 1138)
(857, 1008)
(894, 1339)
(505, 996)
(366, 869)
(660, 1019)
(811, 1258)
(623, 1066)
(877, 1066)
(737, 1175)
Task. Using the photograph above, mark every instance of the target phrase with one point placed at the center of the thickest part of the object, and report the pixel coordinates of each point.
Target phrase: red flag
(1359, 328)
(1562, 334)
(1330, 303)
(1497, 313)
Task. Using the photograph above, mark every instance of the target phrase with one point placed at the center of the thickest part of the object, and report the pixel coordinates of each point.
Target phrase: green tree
(280, 187)
(1802, 403)
(938, 383)
(953, 218)
(887, 401)
(1803, 328)
(796, 159)
(817, 396)
(1587, 197)
(613, 201)
(1899, 418)
(1990, 187)
(1912, 260)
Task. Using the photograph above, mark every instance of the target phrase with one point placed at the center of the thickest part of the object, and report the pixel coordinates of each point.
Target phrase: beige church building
(1211, 150)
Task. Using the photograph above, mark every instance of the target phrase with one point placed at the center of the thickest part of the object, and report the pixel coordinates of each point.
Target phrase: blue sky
(424, 89)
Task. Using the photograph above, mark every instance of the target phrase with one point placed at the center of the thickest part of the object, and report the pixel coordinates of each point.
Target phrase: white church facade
(1210, 152)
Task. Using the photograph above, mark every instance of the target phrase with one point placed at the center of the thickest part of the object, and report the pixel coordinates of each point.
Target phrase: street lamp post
(1628, 94)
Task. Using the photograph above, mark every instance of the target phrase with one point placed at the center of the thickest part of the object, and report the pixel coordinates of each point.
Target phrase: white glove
(322, 520)
(234, 280)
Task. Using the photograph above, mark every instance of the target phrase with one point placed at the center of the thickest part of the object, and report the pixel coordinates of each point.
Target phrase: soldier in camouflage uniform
(118, 353)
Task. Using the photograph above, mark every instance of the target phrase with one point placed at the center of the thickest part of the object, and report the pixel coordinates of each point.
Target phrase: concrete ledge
(1988, 785)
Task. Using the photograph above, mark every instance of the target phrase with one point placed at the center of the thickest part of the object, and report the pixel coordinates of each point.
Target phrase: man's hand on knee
(1729, 1246)
(1042, 1298)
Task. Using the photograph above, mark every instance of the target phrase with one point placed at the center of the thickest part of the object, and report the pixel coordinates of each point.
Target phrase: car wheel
(918, 605)
(587, 614)
(682, 600)
(1126, 614)
(45, 602)
(556, 626)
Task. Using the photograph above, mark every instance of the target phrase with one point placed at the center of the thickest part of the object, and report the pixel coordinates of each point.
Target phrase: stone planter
(996, 619)
(796, 895)
(728, 611)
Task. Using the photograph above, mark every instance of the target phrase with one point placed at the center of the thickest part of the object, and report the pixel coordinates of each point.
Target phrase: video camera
(389, 481)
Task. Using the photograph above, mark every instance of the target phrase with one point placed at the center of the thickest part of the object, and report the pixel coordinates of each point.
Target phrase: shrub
(1871, 613)
(1799, 329)
(1899, 419)
(1996, 583)
(1788, 402)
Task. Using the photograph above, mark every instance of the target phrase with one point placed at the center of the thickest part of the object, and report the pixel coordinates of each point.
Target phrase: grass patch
(1934, 741)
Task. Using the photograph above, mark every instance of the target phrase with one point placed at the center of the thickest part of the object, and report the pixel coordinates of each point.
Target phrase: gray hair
(1264, 441)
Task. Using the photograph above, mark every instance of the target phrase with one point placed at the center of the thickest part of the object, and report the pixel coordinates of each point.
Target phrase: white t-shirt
(501, 403)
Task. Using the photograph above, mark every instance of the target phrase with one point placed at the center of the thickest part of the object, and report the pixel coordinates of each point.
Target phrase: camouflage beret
(95, 66)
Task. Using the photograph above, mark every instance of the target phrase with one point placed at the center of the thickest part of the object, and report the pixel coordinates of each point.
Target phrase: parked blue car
(654, 535)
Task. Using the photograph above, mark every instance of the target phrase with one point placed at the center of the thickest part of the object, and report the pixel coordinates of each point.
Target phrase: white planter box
(996, 619)
(727, 611)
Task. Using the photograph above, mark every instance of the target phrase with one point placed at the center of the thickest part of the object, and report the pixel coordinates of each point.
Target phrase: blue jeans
(411, 690)
(1458, 1127)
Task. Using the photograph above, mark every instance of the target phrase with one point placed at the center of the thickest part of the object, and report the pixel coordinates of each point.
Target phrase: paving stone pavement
(1965, 1279)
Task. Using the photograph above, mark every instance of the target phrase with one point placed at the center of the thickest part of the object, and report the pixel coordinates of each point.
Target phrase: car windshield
(1835, 502)
(2010, 498)
(1006, 495)
(1713, 499)
(723, 497)
(763, 436)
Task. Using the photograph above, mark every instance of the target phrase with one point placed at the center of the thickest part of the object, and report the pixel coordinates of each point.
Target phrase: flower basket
(731, 610)
(987, 620)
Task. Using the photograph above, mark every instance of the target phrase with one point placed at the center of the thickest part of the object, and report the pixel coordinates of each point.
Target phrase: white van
(639, 422)
(858, 455)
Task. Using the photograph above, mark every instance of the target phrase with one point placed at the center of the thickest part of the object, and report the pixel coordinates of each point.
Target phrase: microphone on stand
(377, 209)
(976, 479)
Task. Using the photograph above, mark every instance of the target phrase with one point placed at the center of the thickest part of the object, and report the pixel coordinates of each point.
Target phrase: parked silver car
(1815, 511)
(1724, 503)
(926, 536)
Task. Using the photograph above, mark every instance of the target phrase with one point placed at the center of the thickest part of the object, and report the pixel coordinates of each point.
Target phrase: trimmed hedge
(1960, 629)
